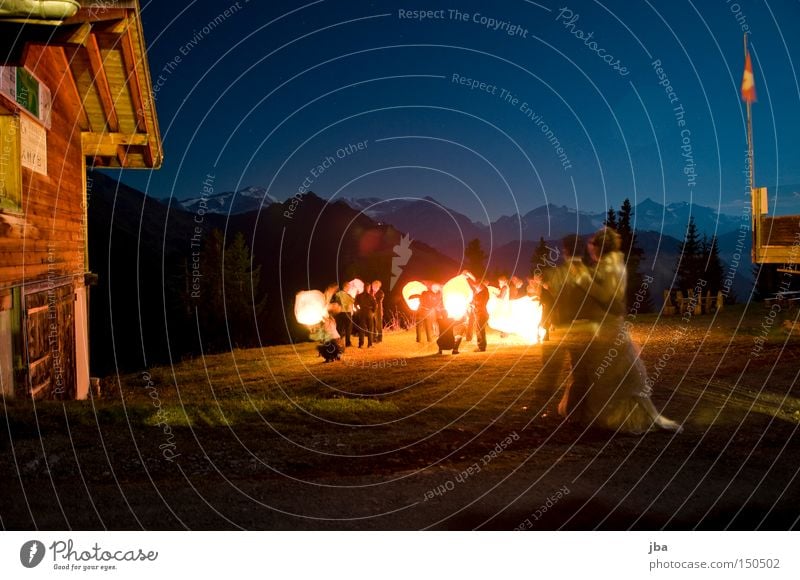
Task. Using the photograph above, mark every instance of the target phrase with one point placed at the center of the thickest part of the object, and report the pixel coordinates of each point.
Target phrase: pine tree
(633, 255)
(539, 257)
(611, 218)
(689, 266)
(241, 291)
(475, 258)
(227, 302)
(714, 271)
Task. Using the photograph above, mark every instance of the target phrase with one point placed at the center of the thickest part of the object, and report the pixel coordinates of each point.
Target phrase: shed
(75, 90)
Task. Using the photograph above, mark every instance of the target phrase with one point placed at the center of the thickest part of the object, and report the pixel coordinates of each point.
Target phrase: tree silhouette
(633, 255)
(690, 267)
(475, 258)
(611, 218)
(712, 265)
(540, 260)
(229, 301)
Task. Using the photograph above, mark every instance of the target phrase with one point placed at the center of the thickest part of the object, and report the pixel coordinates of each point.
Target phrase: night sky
(573, 109)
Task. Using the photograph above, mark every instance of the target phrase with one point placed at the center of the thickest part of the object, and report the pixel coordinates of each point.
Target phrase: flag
(748, 82)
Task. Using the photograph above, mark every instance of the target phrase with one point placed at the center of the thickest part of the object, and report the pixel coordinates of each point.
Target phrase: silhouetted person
(437, 307)
(365, 317)
(516, 288)
(480, 300)
(450, 333)
(378, 294)
(331, 347)
(425, 315)
(573, 314)
(344, 319)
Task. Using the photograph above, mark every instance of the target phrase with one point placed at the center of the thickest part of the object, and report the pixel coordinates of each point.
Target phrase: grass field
(398, 437)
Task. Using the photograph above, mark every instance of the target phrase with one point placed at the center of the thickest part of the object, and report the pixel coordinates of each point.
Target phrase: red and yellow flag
(748, 82)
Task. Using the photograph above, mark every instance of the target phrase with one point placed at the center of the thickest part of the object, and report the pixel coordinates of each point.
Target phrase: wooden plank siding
(52, 238)
(780, 240)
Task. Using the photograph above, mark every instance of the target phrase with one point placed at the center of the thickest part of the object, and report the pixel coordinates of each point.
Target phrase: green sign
(28, 91)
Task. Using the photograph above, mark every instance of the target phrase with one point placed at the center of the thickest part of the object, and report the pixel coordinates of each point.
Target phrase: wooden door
(50, 343)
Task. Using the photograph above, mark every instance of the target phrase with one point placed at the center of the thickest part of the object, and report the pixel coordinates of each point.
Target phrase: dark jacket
(480, 300)
(366, 302)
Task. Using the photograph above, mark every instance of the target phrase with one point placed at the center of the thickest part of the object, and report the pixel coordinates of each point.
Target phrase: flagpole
(755, 198)
(750, 131)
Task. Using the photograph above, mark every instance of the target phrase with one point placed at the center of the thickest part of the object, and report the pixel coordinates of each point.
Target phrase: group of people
(355, 309)
(433, 321)
(608, 385)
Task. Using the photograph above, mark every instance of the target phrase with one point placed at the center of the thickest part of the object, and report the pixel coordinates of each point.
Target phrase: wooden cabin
(776, 239)
(75, 89)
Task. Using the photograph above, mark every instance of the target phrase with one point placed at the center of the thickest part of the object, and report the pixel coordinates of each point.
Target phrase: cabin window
(10, 167)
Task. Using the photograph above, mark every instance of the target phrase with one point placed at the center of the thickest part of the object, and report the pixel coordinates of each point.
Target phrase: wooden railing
(678, 303)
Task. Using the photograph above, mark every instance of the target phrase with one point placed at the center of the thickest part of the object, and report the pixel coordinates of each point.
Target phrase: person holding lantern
(426, 315)
(480, 301)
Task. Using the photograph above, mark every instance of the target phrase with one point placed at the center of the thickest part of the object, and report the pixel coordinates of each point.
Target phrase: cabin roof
(106, 78)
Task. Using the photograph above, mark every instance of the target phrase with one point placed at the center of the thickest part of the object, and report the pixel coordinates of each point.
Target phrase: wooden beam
(107, 144)
(122, 155)
(776, 255)
(101, 83)
(139, 97)
(132, 80)
(97, 14)
(68, 89)
(77, 35)
(112, 26)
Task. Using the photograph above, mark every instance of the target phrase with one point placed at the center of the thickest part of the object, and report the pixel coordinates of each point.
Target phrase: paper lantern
(457, 296)
(310, 307)
(413, 288)
(354, 287)
(521, 317)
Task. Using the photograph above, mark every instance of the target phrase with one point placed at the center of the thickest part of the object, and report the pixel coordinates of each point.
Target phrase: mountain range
(506, 239)
(423, 218)
(228, 202)
(550, 221)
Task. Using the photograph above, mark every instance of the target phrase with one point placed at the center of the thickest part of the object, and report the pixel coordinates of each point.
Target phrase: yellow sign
(10, 178)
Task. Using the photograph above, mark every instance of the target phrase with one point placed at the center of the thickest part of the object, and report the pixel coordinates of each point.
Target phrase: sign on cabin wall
(33, 145)
(23, 88)
(10, 175)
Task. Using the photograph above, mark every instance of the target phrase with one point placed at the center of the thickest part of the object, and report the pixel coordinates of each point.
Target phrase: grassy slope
(273, 438)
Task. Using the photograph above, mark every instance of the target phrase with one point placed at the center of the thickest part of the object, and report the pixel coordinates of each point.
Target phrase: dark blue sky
(263, 96)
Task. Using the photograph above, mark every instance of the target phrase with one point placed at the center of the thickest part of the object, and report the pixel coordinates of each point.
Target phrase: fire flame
(522, 317)
(413, 288)
(310, 307)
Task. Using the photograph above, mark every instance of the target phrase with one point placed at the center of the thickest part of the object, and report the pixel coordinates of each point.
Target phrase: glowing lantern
(414, 289)
(310, 307)
(456, 296)
(354, 287)
(522, 317)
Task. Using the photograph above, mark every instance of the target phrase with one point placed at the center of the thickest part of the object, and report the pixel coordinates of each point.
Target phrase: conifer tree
(713, 266)
(633, 256)
(689, 266)
(475, 258)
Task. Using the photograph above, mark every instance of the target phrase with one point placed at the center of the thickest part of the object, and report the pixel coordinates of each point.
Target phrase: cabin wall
(43, 254)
